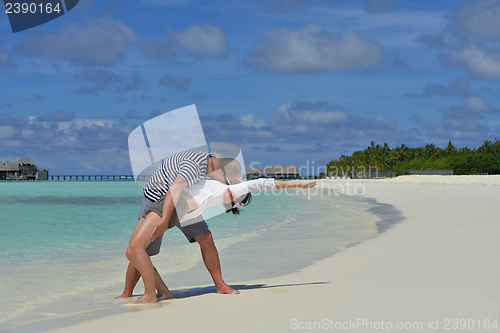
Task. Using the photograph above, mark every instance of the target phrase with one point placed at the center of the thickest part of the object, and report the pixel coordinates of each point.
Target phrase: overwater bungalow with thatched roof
(23, 169)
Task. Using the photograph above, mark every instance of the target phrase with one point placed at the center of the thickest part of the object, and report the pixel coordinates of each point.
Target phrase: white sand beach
(435, 271)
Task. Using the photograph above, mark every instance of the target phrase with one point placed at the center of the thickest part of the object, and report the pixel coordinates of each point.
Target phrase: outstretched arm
(227, 194)
(266, 184)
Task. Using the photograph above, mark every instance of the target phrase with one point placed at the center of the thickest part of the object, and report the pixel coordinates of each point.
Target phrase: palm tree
(430, 150)
(450, 149)
(496, 147)
(394, 157)
(486, 147)
(465, 150)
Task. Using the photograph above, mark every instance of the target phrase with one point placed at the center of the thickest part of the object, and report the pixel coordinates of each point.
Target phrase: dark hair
(244, 200)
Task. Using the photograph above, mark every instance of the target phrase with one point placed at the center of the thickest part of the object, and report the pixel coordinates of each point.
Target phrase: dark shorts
(181, 209)
(191, 231)
(198, 228)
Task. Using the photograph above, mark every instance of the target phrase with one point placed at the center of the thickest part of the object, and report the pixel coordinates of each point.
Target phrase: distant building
(274, 171)
(42, 174)
(253, 173)
(23, 169)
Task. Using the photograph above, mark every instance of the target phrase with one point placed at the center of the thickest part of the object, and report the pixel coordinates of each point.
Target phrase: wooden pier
(131, 178)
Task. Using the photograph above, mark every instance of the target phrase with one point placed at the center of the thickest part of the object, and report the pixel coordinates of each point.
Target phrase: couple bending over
(198, 181)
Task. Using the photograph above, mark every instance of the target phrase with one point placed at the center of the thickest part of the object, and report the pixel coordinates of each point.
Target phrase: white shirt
(210, 194)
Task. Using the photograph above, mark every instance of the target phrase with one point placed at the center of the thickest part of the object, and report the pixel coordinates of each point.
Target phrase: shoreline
(185, 283)
(438, 265)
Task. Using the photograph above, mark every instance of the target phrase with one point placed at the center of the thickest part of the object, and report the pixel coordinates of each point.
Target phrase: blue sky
(289, 81)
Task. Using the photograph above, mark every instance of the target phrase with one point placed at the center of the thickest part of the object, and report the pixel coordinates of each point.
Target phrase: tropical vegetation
(484, 159)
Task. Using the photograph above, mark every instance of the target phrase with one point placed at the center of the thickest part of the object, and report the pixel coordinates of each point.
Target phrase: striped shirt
(192, 166)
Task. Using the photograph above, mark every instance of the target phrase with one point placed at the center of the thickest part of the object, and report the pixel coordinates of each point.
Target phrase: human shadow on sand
(198, 291)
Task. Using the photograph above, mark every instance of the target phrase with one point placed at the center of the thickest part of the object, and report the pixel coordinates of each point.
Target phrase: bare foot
(146, 299)
(165, 296)
(124, 295)
(225, 289)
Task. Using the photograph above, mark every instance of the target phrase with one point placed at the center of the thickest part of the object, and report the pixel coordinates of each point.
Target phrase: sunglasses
(227, 180)
(225, 177)
(233, 204)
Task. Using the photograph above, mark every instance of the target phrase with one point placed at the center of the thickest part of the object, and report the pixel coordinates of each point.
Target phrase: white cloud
(202, 40)
(478, 18)
(248, 120)
(257, 134)
(473, 107)
(61, 131)
(479, 63)
(7, 132)
(472, 35)
(460, 121)
(454, 128)
(476, 104)
(299, 122)
(93, 42)
(311, 50)
(288, 113)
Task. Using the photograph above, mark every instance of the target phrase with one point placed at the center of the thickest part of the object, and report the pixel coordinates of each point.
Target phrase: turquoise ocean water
(62, 245)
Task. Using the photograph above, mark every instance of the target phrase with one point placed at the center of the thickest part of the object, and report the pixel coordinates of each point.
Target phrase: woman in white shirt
(193, 201)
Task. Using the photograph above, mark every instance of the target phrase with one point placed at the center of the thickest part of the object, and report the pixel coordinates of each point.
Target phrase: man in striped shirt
(176, 173)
